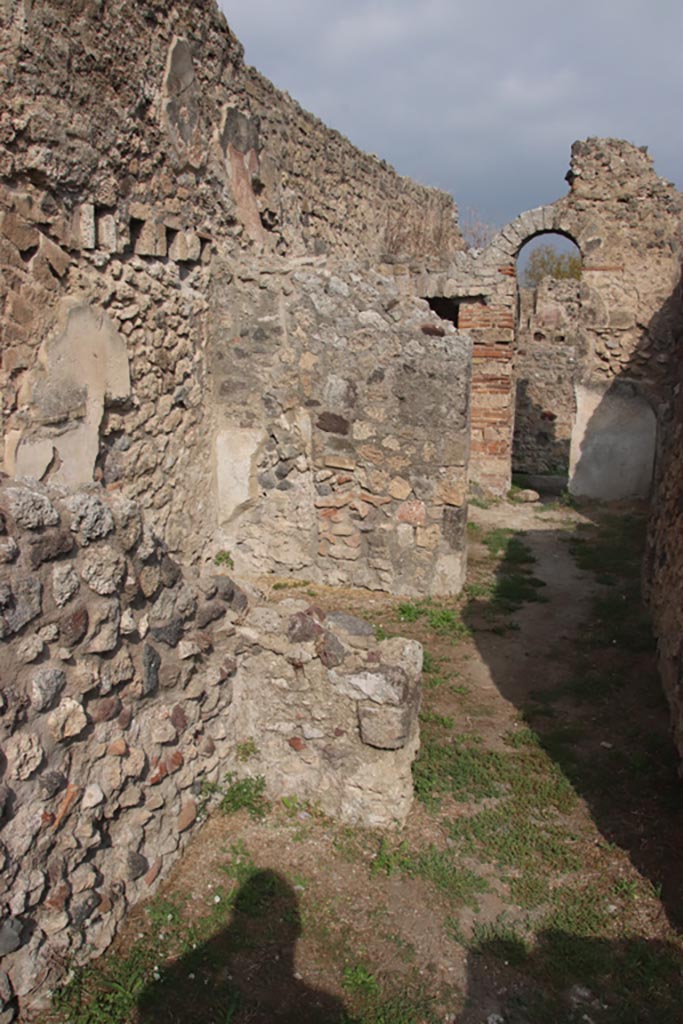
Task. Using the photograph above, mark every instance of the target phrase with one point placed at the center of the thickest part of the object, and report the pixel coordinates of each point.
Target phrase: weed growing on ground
(505, 939)
(440, 867)
(247, 793)
(224, 558)
(246, 750)
(291, 584)
(358, 979)
(442, 620)
(434, 718)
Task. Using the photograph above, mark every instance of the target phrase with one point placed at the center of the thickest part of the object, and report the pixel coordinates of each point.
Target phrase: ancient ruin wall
(664, 560)
(625, 222)
(547, 361)
(342, 428)
(127, 684)
(111, 225)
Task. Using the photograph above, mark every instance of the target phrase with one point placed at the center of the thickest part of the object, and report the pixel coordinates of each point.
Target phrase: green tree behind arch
(546, 261)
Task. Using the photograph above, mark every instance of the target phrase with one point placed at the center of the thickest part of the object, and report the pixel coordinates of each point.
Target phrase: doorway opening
(547, 343)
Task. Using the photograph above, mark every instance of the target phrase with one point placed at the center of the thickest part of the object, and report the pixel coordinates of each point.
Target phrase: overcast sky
(482, 98)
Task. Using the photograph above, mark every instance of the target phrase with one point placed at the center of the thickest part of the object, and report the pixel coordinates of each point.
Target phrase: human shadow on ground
(246, 972)
(583, 675)
(629, 981)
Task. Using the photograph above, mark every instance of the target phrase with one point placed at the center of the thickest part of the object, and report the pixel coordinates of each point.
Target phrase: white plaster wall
(613, 444)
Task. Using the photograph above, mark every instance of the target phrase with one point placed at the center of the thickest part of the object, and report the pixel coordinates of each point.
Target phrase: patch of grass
(625, 888)
(247, 794)
(224, 558)
(508, 836)
(443, 620)
(505, 939)
(505, 543)
(434, 718)
(513, 583)
(459, 769)
(440, 867)
(410, 611)
(521, 737)
(447, 622)
(246, 750)
(429, 663)
(359, 979)
(530, 889)
(481, 502)
(620, 619)
(454, 931)
(459, 689)
(578, 911)
(513, 589)
(107, 995)
(613, 547)
(433, 682)
(291, 584)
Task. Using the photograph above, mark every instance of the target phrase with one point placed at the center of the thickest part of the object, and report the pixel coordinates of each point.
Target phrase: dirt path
(538, 878)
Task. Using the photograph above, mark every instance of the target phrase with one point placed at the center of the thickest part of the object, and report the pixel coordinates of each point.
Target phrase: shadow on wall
(247, 971)
(618, 446)
(614, 442)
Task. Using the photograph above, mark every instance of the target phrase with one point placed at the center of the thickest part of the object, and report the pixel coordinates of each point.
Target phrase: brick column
(492, 328)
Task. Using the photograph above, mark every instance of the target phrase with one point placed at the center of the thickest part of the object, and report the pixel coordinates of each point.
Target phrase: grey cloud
(483, 99)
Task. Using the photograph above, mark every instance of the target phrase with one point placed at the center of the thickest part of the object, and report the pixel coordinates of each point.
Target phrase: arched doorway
(547, 357)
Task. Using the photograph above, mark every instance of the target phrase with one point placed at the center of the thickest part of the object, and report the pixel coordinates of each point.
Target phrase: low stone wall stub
(127, 683)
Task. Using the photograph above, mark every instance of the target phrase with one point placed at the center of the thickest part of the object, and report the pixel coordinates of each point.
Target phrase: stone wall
(127, 684)
(625, 221)
(342, 428)
(664, 560)
(115, 230)
(548, 359)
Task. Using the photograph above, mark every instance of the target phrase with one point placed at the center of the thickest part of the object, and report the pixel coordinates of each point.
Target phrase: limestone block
(185, 247)
(84, 226)
(23, 602)
(107, 233)
(387, 728)
(67, 721)
(24, 753)
(19, 232)
(58, 259)
(30, 508)
(152, 239)
(64, 584)
(91, 519)
(46, 685)
(103, 569)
